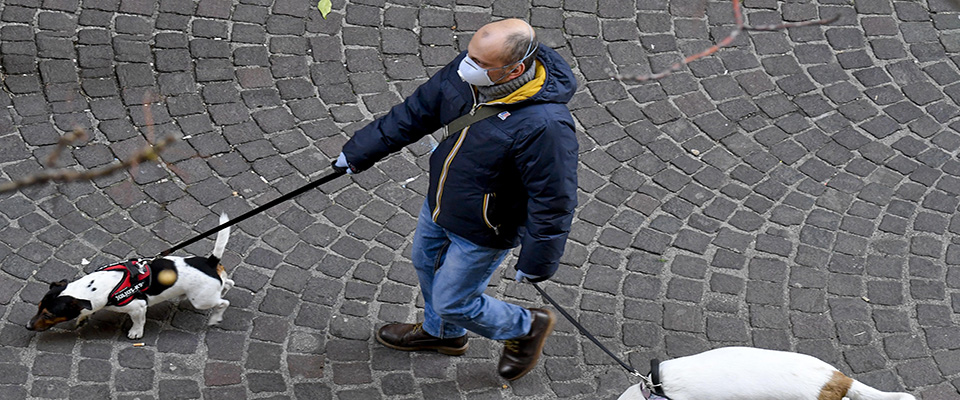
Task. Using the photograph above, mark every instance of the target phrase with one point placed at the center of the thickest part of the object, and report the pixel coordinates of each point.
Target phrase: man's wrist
(343, 165)
(532, 278)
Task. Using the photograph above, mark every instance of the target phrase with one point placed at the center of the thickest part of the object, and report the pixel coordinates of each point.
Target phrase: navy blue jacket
(507, 180)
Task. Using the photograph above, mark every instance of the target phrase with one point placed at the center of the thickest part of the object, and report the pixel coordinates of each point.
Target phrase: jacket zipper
(449, 160)
(446, 169)
(486, 220)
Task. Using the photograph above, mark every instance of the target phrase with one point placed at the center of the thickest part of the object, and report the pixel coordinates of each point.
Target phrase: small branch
(65, 140)
(740, 27)
(779, 27)
(148, 153)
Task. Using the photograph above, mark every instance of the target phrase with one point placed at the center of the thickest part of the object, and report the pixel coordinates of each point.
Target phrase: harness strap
(136, 279)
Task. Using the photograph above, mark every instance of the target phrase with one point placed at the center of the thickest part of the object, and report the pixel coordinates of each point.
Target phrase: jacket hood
(560, 83)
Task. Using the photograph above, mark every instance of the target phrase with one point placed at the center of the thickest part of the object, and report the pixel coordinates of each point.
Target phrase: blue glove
(342, 163)
(532, 278)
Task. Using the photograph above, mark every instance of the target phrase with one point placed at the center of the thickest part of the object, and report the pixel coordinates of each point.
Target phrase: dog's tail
(222, 237)
(859, 391)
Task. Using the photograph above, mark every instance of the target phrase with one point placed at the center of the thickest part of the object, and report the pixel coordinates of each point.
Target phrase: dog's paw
(135, 334)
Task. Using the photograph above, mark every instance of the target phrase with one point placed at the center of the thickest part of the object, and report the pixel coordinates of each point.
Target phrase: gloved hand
(342, 164)
(532, 278)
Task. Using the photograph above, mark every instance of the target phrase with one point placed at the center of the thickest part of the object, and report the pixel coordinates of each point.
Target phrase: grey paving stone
(682, 318)
(133, 380)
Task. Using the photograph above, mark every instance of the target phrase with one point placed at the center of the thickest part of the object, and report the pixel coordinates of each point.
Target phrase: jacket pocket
(488, 208)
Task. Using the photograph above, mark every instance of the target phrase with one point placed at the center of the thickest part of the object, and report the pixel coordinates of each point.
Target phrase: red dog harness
(136, 280)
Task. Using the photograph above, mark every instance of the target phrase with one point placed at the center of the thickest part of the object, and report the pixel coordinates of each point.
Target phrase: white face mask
(471, 73)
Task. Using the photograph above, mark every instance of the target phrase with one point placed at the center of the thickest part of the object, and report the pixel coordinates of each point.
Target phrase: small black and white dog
(129, 287)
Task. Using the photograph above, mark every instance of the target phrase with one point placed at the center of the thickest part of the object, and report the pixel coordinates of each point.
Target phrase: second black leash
(584, 331)
(337, 172)
(651, 385)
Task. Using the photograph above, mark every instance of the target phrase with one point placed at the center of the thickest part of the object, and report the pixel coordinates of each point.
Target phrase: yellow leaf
(324, 6)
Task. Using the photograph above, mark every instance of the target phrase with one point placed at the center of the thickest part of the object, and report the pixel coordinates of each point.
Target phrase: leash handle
(584, 331)
(337, 172)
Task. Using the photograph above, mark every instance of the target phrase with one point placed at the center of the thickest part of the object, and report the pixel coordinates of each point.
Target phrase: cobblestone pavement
(796, 191)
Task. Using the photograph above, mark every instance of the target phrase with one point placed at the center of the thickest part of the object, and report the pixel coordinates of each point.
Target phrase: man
(501, 182)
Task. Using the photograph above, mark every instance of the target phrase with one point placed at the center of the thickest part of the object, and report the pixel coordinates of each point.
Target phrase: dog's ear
(83, 304)
(62, 283)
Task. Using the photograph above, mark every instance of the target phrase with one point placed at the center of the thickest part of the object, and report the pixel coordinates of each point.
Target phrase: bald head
(505, 37)
(503, 43)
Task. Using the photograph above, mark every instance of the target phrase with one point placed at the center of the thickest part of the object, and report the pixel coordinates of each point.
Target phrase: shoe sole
(450, 351)
(533, 364)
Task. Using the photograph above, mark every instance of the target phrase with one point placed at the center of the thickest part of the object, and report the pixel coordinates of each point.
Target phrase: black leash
(584, 331)
(654, 384)
(324, 179)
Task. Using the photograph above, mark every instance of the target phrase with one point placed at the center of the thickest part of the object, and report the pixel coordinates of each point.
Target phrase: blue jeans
(453, 274)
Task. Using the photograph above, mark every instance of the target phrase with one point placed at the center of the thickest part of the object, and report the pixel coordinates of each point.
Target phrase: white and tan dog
(747, 373)
(131, 286)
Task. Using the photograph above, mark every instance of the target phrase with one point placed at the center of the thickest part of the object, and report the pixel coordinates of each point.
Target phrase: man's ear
(60, 283)
(520, 69)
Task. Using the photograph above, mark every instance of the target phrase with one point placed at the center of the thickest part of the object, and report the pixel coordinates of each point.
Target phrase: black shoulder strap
(468, 119)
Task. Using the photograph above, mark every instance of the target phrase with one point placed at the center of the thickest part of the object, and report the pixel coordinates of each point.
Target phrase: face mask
(471, 73)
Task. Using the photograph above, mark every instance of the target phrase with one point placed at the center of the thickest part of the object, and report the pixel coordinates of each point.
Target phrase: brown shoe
(411, 337)
(520, 355)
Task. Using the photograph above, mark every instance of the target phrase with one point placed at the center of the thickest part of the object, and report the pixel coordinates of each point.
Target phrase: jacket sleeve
(404, 124)
(547, 161)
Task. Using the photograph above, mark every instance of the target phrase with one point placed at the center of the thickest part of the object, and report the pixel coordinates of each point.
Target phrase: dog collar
(657, 392)
(136, 280)
(649, 394)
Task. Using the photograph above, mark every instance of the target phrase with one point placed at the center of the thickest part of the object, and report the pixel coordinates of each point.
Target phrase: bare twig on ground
(740, 27)
(148, 153)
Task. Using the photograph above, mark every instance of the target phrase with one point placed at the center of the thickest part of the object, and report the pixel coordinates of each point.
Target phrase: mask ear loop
(530, 47)
(526, 55)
